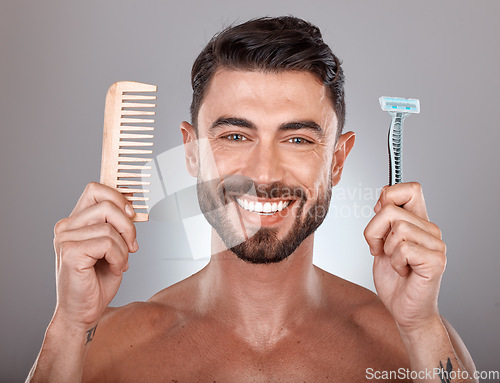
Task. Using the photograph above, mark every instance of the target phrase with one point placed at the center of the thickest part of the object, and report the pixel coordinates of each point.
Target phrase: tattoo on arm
(444, 374)
(90, 334)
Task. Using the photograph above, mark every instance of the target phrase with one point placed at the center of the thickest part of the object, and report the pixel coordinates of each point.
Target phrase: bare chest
(210, 355)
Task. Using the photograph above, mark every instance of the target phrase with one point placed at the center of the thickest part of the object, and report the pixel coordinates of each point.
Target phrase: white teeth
(267, 208)
(258, 207)
(280, 206)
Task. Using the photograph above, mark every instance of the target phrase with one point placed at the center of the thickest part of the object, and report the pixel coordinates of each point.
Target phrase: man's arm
(410, 258)
(440, 346)
(92, 247)
(63, 352)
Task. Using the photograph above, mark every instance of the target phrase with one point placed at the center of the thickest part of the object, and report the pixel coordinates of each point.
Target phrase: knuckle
(440, 261)
(129, 228)
(59, 226)
(367, 233)
(107, 242)
(132, 229)
(403, 247)
(416, 187)
(444, 261)
(388, 248)
(398, 229)
(439, 233)
(384, 194)
(107, 229)
(91, 187)
(396, 259)
(436, 231)
(443, 248)
(388, 209)
(399, 226)
(106, 204)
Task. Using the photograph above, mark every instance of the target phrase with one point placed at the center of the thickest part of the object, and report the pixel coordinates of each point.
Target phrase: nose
(264, 163)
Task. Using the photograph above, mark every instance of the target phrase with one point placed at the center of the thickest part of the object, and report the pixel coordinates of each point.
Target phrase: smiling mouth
(262, 208)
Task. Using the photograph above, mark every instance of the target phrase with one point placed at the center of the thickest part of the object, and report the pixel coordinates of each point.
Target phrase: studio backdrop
(59, 57)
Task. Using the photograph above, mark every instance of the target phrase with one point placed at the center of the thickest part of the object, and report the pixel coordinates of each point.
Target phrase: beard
(261, 245)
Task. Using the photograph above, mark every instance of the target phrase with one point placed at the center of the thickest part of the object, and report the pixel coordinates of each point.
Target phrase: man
(266, 146)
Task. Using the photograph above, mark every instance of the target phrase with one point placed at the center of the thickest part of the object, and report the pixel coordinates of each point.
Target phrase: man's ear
(190, 147)
(344, 146)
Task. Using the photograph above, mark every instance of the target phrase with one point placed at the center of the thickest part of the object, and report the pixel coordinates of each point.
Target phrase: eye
(235, 137)
(299, 141)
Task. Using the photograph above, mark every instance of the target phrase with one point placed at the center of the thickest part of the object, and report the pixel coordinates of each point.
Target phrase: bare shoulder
(119, 330)
(363, 309)
(123, 331)
(350, 296)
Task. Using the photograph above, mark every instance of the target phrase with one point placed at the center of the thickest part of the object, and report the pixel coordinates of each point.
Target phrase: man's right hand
(92, 247)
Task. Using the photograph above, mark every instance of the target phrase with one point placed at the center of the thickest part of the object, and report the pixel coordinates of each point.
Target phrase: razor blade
(402, 105)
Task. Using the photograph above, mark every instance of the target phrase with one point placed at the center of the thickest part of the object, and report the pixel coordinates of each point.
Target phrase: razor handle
(395, 146)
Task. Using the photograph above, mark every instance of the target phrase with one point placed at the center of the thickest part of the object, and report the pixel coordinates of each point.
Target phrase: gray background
(58, 58)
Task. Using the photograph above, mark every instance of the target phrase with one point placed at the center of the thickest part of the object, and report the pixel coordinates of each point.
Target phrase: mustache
(225, 187)
(239, 185)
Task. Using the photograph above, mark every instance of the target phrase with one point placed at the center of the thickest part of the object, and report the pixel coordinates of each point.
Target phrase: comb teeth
(126, 120)
(133, 167)
(126, 135)
(132, 175)
(125, 155)
(126, 104)
(138, 198)
(128, 112)
(135, 128)
(127, 97)
(134, 143)
(134, 159)
(132, 190)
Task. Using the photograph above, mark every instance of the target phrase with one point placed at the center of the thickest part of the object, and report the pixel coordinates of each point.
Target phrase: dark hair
(273, 45)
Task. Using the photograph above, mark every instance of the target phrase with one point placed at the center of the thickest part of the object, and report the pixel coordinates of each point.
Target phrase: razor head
(399, 105)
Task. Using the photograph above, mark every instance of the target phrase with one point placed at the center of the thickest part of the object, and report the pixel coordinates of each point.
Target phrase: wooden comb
(123, 154)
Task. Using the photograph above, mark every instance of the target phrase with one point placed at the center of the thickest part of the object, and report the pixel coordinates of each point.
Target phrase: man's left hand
(409, 256)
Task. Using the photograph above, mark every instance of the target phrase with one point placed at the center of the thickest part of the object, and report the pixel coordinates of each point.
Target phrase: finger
(409, 256)
(103, 212)
(408, 195)
(96, 192)
(406, 231)
(94, 231)
(378, 228)
(83, 255)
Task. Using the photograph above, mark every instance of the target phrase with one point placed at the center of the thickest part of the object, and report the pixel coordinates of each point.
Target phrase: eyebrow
(243, 123)
(308, 125)
(234, 121)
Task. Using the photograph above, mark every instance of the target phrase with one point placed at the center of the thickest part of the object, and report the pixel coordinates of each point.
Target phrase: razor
(399, 109)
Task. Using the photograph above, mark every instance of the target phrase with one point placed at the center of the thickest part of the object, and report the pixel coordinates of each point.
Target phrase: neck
(261, 301)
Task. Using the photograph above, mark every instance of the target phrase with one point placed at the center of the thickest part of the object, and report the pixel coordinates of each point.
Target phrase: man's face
(265, 160)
